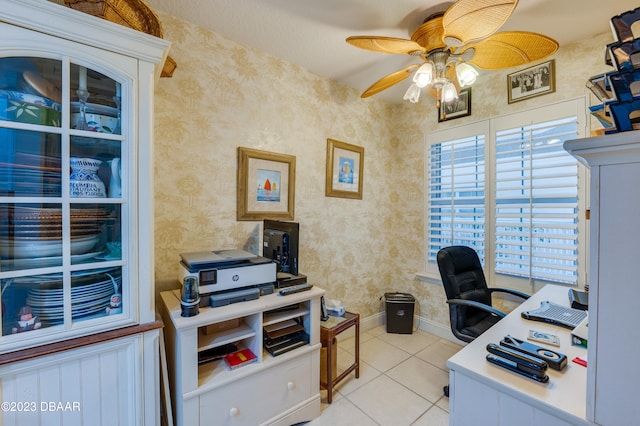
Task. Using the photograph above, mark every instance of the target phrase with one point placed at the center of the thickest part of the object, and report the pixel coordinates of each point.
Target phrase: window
(507, 188)
(536, 206)
(456, 193)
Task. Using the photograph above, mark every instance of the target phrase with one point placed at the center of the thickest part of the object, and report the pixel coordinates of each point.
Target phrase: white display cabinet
(76, 195)
(281, 390)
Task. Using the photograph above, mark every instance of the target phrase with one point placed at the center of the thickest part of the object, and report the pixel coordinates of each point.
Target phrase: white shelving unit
(284, 389)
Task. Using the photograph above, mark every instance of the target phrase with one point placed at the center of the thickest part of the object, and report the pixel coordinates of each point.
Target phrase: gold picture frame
(530, 82)
(345, 167)
(266, 185)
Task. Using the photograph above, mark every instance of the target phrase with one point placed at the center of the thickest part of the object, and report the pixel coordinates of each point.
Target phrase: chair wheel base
(446, 391)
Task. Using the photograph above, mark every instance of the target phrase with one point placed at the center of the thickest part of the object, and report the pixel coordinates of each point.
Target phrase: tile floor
(401, 380)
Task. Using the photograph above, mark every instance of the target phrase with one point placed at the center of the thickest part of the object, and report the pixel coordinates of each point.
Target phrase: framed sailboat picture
(266, 185)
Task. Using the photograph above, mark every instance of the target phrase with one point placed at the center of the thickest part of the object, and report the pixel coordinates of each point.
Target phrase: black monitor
(280, 243)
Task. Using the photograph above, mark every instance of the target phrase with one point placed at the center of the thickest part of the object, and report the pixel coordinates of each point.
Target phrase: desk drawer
(257, 398)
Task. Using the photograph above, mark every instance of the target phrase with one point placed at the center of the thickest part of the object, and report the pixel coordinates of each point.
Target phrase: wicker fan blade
(389, 80)
(385, 44)
(512, 48)
(469, 20)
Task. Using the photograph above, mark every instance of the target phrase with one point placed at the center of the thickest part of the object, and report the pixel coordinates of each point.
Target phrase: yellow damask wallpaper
(224, 95)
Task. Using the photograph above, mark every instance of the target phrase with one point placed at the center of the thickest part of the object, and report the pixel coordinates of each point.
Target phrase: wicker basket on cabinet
(136, 14)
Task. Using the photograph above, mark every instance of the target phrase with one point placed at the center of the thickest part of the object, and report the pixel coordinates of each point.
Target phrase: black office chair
(469, 298)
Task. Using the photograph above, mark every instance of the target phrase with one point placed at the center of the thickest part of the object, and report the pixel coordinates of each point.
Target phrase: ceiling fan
(452, 43)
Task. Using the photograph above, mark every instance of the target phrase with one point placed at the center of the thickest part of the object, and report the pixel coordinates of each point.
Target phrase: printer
(228, 271)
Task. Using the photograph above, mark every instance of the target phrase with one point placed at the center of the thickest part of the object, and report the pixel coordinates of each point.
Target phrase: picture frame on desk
(266, 185)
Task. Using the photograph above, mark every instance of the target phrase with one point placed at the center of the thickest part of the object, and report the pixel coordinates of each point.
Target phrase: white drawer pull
(234, 412)
(291, 385)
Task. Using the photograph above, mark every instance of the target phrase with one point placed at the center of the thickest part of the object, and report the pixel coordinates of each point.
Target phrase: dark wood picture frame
(457, 108)
(533, 81)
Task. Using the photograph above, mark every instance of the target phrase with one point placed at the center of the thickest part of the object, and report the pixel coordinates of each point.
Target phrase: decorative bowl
(27, 108)
(22, 249)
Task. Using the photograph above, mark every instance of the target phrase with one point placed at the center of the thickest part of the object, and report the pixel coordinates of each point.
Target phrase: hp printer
(226, 271)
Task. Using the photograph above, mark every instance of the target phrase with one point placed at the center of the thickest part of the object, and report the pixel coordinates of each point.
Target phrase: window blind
(536, 202)
(456, 190)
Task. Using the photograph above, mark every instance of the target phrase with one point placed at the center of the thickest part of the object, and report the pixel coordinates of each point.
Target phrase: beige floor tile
(389, 403)
(433, 417)
(342, 412)
(439, 352)
(381, 355)
(420, 377)
(443, 403)
(376, 331)
(350, 383)
(395, 387)
(348, 343)
(411, 343)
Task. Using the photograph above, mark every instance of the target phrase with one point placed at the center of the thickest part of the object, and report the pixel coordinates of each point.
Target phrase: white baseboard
(372, 321)
(437, 329)
(426, 325)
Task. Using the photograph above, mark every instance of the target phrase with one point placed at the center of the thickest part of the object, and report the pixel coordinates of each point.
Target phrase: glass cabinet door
(62, 196)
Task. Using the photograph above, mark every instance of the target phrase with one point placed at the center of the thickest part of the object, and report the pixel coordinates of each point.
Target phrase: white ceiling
(312, 33)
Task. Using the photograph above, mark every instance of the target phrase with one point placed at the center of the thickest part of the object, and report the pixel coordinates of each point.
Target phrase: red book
(239, 358)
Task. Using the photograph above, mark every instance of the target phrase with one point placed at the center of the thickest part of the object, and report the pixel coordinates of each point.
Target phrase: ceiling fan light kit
(466, 74)
(453, 44)
(424, 75)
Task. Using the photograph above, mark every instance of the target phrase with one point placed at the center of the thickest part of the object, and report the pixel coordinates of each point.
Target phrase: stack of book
(240, 358)
(217, 353)
(284, 336)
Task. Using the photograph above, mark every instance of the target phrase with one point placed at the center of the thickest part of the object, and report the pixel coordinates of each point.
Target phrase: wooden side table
(328, 331)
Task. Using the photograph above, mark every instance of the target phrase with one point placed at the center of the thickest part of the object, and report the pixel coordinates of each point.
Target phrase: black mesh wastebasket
(399, 308)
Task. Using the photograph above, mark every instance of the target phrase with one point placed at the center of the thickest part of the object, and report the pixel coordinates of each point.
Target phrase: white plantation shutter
(507, 188)
(536, 202)
(456, 212)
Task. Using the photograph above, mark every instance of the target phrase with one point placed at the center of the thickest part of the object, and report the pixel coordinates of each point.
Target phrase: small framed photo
(345, 165)
(266, 185)
(460, 107)
(531, 82)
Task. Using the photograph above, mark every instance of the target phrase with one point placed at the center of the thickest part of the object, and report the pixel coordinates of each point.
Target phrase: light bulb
(449, 92)
(412, 94)
(424, 75)
(466, 74)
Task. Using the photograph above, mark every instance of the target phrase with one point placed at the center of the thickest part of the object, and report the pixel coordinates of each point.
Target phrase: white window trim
(489, 127)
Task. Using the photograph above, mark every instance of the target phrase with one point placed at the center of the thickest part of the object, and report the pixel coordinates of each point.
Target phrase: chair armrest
(520, 294)
(478, 305)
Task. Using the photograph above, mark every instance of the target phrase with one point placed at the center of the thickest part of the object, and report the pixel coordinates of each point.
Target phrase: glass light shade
(466, 74)
(424, 75)
(449, 92)
(412, 94)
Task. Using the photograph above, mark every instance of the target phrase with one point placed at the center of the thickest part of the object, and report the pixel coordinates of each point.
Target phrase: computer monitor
(280, 243)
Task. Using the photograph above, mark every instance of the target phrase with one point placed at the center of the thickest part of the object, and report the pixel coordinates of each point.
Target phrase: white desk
(485, 394)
